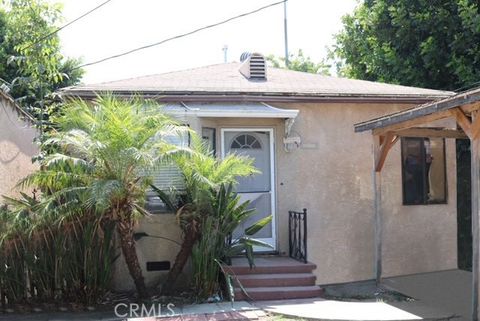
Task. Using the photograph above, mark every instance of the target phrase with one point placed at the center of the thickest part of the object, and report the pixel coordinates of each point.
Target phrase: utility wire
(180, 35)
(66, 25)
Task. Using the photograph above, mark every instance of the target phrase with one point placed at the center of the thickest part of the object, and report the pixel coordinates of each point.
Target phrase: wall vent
(254, 66)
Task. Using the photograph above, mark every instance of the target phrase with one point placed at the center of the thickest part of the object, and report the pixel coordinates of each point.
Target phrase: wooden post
(377, 202)
(475, 149)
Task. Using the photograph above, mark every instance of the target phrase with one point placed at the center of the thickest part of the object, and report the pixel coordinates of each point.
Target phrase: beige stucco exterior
(16, 148)
(161, 245)
(331, 176)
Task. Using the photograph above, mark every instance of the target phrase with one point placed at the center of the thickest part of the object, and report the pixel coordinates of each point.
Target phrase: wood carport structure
(386, 130)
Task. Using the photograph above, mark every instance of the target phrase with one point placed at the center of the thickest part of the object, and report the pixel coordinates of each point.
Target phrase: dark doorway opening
(464, 205)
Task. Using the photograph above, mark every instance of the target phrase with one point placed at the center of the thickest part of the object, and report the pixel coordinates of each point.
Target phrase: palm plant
(203, 175)
(104, 152)
(216, 247)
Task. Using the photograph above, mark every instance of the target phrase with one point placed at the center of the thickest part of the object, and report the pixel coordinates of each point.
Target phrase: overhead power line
(180, 35)
(48, 35)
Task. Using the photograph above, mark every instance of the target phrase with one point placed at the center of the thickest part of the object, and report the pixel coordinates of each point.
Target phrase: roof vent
(253, 66)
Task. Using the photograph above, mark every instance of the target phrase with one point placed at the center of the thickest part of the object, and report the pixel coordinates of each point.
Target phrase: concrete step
(276, 280)
(269, 265)
(279, 293)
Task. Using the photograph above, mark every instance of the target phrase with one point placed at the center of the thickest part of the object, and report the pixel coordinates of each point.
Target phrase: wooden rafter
(387, 143)
(421, 120)
(432, 132)
(462, 120)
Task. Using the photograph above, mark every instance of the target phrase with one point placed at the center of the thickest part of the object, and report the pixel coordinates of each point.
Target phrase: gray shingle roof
(225, 79)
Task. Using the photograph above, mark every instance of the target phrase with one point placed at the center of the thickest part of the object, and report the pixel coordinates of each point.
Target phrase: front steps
(274, 278)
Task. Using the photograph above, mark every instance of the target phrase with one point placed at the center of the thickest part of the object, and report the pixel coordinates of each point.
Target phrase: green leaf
(235, 250)
(230, 288)
(166, 199)
(253, 242)
(257, 226)
(249, 255)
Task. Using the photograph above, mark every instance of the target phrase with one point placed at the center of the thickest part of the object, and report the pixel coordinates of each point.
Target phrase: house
(299, 129)
(16, 145)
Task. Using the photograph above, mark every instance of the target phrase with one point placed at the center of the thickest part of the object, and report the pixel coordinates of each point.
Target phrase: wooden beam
(475, 176)
(475, 127)
(388, 142)
(462, 120)
(377, 205)
(431, 132)
(421, 120)
(468, 108)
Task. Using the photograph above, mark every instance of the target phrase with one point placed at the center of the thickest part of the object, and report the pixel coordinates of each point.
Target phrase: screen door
(258, 189)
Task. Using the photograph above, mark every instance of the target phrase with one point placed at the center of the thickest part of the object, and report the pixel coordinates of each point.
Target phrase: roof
(442, 105)
(15, 106)
(224, 81)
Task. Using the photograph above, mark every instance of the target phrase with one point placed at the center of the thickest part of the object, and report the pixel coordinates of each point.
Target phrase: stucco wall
(418, 238)
(334, 181)
(16, 149)
(331, 176)
(161, 245)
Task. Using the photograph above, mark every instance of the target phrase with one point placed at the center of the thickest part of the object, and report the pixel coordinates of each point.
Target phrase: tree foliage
(425, 43)
(105, 153)
(300, 62)
(32, 66)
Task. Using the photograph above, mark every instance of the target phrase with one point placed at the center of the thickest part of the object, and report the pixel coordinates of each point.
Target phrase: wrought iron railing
(297, 235)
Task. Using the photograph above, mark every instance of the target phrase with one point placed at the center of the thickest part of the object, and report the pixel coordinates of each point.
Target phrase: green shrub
(67, 259)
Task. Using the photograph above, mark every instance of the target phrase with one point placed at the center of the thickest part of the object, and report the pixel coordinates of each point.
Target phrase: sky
(122, 25)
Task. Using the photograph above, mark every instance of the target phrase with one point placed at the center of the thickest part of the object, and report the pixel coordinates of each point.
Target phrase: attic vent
(253, 66)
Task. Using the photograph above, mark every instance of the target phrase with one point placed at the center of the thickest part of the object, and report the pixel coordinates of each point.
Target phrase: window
(166, 177)
(208, 136)
(245, 141)
(423, 171)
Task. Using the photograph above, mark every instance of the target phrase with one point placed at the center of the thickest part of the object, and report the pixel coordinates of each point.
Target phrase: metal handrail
(297, 235)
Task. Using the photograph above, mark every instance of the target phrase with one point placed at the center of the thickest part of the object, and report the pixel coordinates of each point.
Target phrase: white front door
(258, 189)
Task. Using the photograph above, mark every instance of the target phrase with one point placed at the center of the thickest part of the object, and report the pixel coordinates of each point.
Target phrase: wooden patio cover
(386, 130)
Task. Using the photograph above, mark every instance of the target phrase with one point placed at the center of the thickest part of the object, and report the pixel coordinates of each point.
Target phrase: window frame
(214, 138)
(425, 195)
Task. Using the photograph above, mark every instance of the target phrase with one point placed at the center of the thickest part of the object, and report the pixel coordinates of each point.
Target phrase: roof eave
(463, 99)
(27, 116)
(171, 96)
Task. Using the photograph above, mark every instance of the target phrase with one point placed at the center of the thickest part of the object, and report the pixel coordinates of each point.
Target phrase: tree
(105, 152)
(32, 67)
(299, 62)
(425, 43)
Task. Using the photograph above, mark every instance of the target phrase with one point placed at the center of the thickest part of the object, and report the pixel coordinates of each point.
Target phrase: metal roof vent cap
(253, 66)
(244, 56)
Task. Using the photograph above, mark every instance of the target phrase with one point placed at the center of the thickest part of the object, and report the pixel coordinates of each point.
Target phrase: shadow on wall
(162, 245)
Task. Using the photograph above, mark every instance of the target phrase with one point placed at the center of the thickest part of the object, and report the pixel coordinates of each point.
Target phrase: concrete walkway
(438, 296)
(443, 290)
(313, 309)
(202, 312)
(319, 309)
(238, 311)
